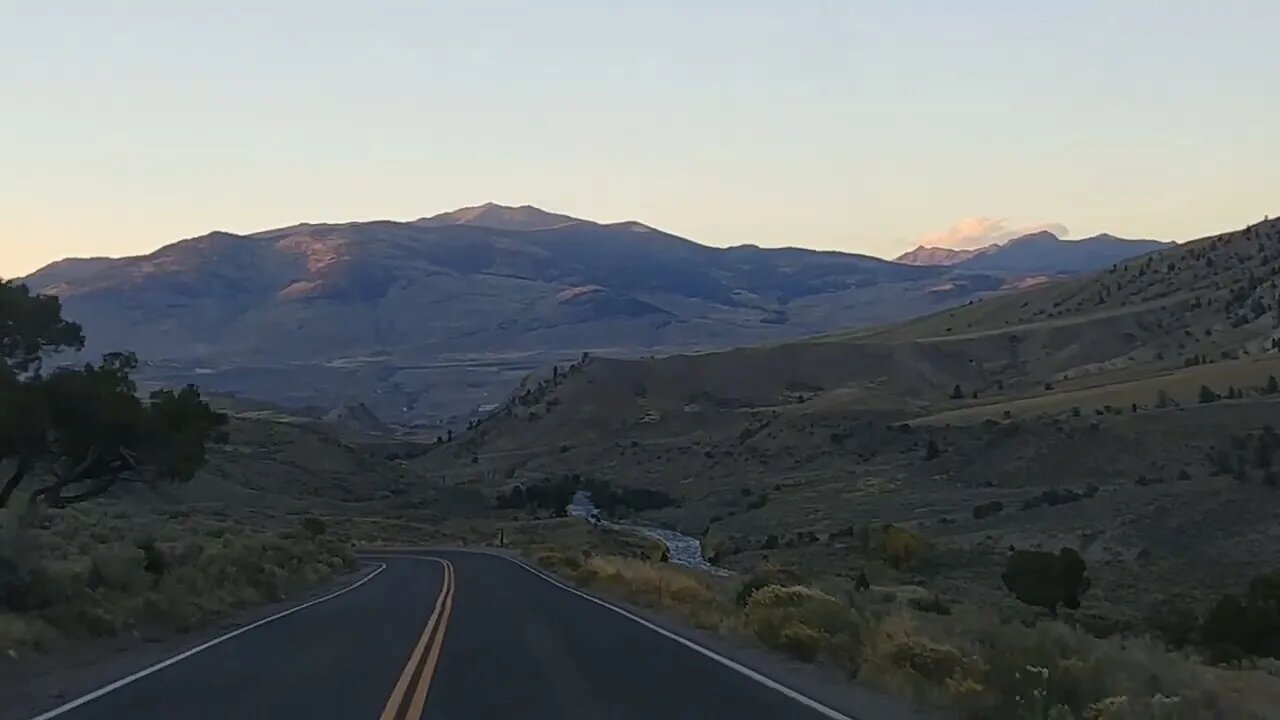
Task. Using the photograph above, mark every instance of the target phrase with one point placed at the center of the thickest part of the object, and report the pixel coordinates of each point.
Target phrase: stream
(681, 549)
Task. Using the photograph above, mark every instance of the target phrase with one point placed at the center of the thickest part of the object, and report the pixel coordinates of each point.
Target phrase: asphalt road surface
(451, 635)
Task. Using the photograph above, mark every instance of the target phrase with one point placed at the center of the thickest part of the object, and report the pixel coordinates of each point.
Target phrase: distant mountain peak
(500, 217)
(923, 255)
(1039, 236)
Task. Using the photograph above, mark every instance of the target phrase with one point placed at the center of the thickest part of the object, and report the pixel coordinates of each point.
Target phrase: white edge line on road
(731, 664)
(711, 654)
(200, 648)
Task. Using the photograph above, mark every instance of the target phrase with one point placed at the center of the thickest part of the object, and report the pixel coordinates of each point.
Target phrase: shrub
(806, 624)
(1174, 620)
(897, 644)
(151, 587)
(314, 526)
(763, 577)
(155, 563)
(901, 548)
(987, 509)
(931, 604)
(119, 569)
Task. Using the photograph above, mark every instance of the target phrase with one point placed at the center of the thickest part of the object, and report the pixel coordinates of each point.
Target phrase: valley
(1128, 416)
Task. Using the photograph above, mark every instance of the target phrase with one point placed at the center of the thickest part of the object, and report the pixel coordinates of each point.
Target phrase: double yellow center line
(410, 695)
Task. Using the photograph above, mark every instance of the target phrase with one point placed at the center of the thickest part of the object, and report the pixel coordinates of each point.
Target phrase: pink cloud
(973, 232)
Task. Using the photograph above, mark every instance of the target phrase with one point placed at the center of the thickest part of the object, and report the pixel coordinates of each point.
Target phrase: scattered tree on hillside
(1273, 386)
(1207, 395)
(1246, 625)
(1046, 580)
(957, 393)
(1262, 454)
(86, 427)
(931, 450)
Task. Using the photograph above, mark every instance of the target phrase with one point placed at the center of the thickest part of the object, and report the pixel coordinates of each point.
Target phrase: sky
(865, 126)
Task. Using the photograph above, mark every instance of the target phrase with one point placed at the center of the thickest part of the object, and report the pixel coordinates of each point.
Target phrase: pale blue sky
(855, 125)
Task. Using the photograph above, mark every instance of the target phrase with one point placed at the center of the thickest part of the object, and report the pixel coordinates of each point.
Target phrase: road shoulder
(36, 683)
(821, 684)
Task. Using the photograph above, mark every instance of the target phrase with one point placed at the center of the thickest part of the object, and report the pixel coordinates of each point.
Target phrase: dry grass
(972, 661)
(685, 593)
(153, 589)
(989, 669)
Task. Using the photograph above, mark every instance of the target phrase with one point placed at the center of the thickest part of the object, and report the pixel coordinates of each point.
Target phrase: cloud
(973, 232)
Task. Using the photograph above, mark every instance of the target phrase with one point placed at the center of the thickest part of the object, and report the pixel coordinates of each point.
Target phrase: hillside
(427, 320)
(1203, 301)
(1124, 414)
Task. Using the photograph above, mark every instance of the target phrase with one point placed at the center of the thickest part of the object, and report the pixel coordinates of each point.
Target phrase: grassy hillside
(1205, 302)
(274, 513)
(1129, 415)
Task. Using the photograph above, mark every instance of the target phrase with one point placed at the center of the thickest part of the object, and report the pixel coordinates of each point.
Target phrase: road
(451, 635)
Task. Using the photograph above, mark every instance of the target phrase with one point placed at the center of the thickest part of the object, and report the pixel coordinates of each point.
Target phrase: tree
(1273, 386)
(1046, 580)
(957, 393)
(1207, 395)
(1248, 624)
(1262, 455)
(87, 425)
(931, 450)
(31, 325)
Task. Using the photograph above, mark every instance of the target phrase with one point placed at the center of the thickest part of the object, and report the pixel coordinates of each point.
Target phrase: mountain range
(424, 321)
(1036, 253)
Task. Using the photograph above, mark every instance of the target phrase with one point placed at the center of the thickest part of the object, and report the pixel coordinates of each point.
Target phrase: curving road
(457, 635)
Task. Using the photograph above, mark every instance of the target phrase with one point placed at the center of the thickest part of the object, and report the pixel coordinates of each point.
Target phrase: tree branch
(100, 487)
(77, 474)
(14, 480)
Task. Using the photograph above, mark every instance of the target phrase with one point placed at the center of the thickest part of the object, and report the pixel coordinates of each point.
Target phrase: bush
(897, 644)
(1175, 621)
(314, 526)
(987, 509)
(991, 670)
(806, 624)
(119, 569)
(933, 604)
(901, 548)
(763, 577)
(153, 588)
